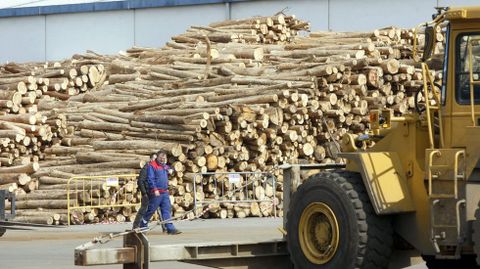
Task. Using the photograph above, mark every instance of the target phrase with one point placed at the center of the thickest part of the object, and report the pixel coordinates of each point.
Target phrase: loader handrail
(435, 22)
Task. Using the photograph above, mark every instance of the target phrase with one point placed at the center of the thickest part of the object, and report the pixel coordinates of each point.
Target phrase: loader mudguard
(384, 179)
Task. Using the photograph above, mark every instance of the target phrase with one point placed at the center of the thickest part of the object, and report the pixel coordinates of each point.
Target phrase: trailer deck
(241, 247)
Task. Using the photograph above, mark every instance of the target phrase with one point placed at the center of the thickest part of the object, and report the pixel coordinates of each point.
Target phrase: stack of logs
(27, 128)
(219, 103)
(268, 30)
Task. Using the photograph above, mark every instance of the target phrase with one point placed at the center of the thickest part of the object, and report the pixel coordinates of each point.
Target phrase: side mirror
(429, 43)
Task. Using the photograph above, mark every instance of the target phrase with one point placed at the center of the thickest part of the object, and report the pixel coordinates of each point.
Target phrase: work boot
(143, 224)
(174, 232)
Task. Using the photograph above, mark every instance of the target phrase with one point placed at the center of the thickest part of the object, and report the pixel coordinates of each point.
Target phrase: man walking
(143, 187)
(157, 178)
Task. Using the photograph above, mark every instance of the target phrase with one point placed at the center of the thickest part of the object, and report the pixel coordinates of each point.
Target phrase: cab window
(462, 72)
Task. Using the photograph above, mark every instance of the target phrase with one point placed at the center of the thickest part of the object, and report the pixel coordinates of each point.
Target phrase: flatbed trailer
(137, 253)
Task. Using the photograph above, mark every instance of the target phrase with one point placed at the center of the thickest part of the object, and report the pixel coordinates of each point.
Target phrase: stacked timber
(225, 98)
(269, 30)
(27, 127)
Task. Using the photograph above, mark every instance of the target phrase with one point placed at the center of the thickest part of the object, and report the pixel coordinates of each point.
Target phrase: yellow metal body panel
(408, 139)
(385, 181)
(462, 13)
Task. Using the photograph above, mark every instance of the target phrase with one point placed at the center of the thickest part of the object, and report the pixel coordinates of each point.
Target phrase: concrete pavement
(53, 248)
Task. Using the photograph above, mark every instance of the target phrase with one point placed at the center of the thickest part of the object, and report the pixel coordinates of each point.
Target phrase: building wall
(22, 39)
(348, 15)
(58, 36)
(103, 32)
(155, 26)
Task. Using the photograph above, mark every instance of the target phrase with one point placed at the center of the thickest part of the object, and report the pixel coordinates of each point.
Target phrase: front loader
(417, 186)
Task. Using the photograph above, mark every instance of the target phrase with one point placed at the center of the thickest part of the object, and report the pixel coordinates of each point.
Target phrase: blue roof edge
(104, 6)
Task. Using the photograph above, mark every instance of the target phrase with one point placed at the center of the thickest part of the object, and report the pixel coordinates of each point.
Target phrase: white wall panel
(22, 39)
(102, 32)
(315, 11)
(155, 26)
(354, 15)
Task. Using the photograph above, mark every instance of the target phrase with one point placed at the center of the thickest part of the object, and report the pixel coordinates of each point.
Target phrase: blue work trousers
(162, 201)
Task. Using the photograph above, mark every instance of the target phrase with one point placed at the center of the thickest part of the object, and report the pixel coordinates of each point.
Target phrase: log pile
(268, 30)
(243, 95)
(27, 126)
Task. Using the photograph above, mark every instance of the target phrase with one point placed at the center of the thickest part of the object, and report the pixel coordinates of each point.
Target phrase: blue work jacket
(157, 176)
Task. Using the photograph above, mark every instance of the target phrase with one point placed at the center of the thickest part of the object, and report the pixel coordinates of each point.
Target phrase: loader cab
(461, 82)
(462, 52)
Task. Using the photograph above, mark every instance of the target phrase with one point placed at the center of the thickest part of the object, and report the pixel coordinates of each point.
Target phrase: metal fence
(234, 187)
(102, 192)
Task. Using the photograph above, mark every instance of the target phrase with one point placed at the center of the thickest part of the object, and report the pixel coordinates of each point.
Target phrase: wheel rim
(318, 233)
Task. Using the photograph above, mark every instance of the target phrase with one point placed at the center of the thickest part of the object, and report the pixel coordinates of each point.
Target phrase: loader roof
(463, 13)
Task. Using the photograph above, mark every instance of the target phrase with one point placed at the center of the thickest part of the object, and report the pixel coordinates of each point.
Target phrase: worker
(157, 178)
(143, 187)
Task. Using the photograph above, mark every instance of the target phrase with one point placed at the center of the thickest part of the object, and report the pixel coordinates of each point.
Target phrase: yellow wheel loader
(419, 184)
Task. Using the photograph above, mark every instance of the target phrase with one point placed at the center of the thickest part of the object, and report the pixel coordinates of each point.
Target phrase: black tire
(476, 235)
(2, 231)
(365, 239)
(466, 262)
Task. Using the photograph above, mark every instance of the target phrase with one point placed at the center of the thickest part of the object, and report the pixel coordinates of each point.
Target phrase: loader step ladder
(444, 231)
(429, 90)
